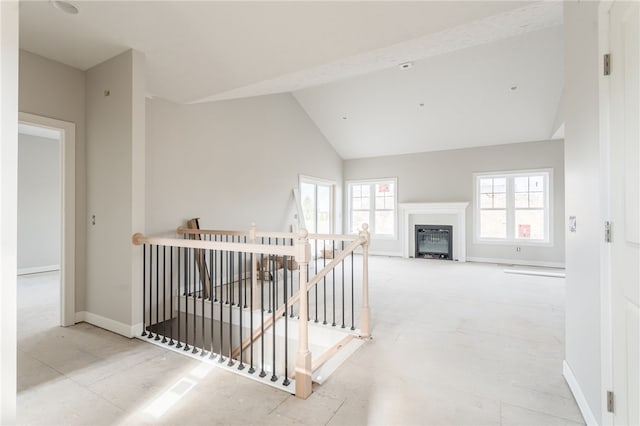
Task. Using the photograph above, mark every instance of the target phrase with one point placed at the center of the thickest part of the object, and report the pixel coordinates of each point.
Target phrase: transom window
(513, 206)
(373, 202)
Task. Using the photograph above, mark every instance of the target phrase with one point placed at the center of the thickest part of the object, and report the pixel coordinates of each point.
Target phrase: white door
(625, 211)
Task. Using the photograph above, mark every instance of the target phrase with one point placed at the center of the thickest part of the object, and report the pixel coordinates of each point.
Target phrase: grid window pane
(493, 223)
(360, 197)
(521, 200)
(536, 200)
(521, 184)
(500, 201)
(499, 185)
(536, 183)
(384, 195)
(486, 186)
(384, 188)
(486, 201)
(529, 224)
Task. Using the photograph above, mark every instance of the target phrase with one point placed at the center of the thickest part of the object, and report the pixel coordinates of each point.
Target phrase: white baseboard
(385, 253)
(523, 262)
(589, 418)
(38, 269)
(109, 324)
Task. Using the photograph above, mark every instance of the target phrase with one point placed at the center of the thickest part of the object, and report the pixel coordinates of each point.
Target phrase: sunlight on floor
(163, 403)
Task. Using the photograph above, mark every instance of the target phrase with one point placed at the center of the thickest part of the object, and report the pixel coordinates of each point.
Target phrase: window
(513, 207)
(374, 203)
(316, 199)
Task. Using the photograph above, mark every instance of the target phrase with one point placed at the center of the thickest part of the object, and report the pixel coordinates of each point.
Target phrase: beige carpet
(454, 343)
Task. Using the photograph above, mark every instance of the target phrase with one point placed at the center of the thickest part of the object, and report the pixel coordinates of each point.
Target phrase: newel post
(303, 360)
(365, 312)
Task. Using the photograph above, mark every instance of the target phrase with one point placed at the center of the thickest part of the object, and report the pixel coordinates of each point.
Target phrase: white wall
(38, 203)
(583, 195)
(115, 138)
(8, 200)
(54, 90)
(447, 176)
(231, 163)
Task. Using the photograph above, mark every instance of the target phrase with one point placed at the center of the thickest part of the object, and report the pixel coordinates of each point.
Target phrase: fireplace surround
(456, 211)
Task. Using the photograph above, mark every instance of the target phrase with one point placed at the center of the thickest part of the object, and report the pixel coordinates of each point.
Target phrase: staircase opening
(258, 303)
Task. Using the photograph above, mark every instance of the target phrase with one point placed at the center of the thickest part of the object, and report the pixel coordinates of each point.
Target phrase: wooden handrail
(139, 239)
(181, 230)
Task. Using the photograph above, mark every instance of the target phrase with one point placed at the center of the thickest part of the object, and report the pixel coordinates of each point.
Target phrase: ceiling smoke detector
(64, 6)
(405, 65)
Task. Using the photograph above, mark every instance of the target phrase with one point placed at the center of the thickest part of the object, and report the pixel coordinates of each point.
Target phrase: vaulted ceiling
(339, 59)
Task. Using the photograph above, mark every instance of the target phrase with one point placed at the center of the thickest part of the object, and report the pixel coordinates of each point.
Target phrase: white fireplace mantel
(457, 209)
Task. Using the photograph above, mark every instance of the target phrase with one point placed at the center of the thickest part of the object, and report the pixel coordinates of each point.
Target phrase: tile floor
(454, 344)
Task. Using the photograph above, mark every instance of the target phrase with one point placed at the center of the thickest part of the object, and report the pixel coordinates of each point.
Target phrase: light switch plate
(572, 224)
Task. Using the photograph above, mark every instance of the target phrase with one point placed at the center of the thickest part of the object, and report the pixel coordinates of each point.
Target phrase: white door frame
(606, 333)
(68, 210)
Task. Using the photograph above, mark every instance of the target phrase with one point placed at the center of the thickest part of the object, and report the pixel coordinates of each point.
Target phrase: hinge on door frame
(607, 64)
(607, 232)
(610, 401)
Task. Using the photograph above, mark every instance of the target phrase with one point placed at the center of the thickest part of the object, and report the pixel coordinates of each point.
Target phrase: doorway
(317, 200)
(46, 211)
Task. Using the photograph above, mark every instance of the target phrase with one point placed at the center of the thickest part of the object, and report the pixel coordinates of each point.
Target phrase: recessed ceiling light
(513, 88)
(405, 65)
(64, 6)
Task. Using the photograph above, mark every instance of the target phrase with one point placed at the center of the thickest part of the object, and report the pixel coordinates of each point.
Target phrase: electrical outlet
(518, 249)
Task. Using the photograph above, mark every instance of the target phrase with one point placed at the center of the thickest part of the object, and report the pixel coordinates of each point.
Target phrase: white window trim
(511, 240)
(321, 181)
(372, 210)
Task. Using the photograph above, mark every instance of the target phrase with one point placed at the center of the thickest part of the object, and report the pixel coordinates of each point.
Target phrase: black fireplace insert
(434, 241)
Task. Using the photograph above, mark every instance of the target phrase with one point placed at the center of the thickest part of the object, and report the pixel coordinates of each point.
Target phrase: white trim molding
(523, 262)
(117, 327)
(67, 209)
(459, 233)
(38, 269)
(385, 253)
(589, 418)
